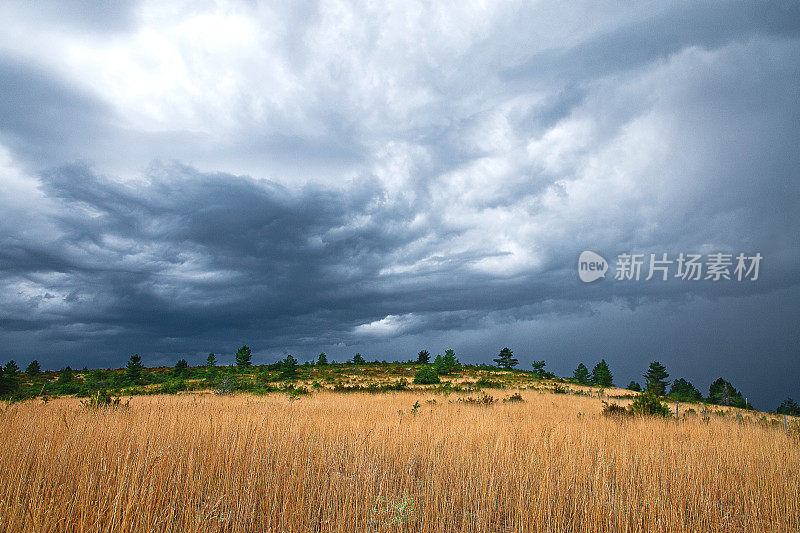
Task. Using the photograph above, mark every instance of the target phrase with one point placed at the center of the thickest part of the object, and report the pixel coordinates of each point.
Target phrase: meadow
(415, 460)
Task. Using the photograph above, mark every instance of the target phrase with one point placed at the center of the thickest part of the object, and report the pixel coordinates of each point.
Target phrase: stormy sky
(179, 179)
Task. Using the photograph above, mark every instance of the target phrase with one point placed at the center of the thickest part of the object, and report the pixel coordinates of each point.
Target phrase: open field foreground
(362, 462)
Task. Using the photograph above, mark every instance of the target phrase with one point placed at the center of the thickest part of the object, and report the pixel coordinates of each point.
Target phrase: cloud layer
(347, 177)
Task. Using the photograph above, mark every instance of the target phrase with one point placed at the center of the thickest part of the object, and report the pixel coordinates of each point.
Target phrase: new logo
(591, 266)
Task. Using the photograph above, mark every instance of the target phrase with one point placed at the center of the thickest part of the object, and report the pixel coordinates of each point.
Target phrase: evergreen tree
(538, 368)
(211, 360)
(581, 374)
(722, 392)
(358, 359)
(33, 369)
(181, 367)
(656, 378)
(66, 375)
(243, 357)
(11, 369)
(634, 386)
(601, 374)
(322, 359)
(788, 407)
(447, 364)
(505, 359)
(684, 390)
(133, 370)
(289, 368)
(424, 357)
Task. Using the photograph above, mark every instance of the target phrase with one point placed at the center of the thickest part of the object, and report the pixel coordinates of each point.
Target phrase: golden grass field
(361, 462)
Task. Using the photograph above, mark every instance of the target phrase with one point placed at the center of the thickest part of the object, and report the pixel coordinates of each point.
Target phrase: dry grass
(355, 463)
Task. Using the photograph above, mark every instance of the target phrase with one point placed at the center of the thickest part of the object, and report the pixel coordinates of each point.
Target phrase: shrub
(482, 399)
(426, 376)
(487, 383)
(649, 404)
(516, 397)
(614, 410)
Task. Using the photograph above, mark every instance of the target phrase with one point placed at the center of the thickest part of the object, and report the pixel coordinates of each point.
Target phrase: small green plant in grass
(516, 397)
(426, 376)
(649, 403)
(103, 399)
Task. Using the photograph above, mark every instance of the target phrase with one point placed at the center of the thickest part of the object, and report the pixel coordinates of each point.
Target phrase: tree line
(19, 385)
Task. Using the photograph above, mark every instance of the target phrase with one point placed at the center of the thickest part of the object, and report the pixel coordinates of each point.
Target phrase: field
(399, 461)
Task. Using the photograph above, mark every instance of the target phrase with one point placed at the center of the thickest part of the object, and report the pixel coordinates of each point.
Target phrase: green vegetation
(287, 375)
(601, 374)
(581, 375)
(649, 403)
(506, 359)
(656, 378)
(426, 376)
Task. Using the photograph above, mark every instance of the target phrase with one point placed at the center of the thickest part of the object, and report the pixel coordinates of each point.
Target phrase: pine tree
(447, 364)
(601, 374)
(505, 359)
(423, 357)
(788, 407)
(11, 369)
(289, 368)
(33, 369)
(722, 392)
(211, 360)
(684, 390)
(243, 357)
(181, 367)
(133, 370)
(581, 374)
(322, 359)
(656, 378)
(358, 359)
(634, 386)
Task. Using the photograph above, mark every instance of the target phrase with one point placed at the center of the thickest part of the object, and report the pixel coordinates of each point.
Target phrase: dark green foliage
(33, 369)
(289, 368)
(656, 378)
(11, 369)
(581, 374)
(722, 392)
(486, 383)
(322, 359)
(505, 359)
(788, 407)
(538, 368)
(423, 357)
(181, 368)
(601, 374)
(426, 376)
(243, 357)
(358, 359)
(447, 364)
(65, 376)
(634, 386)
(649, 403)
(514, 398)
(615, 410)
(133, 370)
(684, 391)
(211, 360)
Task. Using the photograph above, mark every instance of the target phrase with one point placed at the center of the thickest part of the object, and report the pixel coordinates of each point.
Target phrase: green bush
(649, 403)
(426, 376)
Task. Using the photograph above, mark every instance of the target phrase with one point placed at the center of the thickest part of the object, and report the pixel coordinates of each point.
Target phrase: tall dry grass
(355, 463)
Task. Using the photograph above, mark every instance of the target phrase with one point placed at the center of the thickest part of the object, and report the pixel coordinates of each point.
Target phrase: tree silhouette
(243, 357)
(211, 360)
(505, 359)
(423, 357)
(656, 378)
(358, 359)
(322, 359)
(133, 370)
(601, 374)
(33, 369)
(581, 374)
